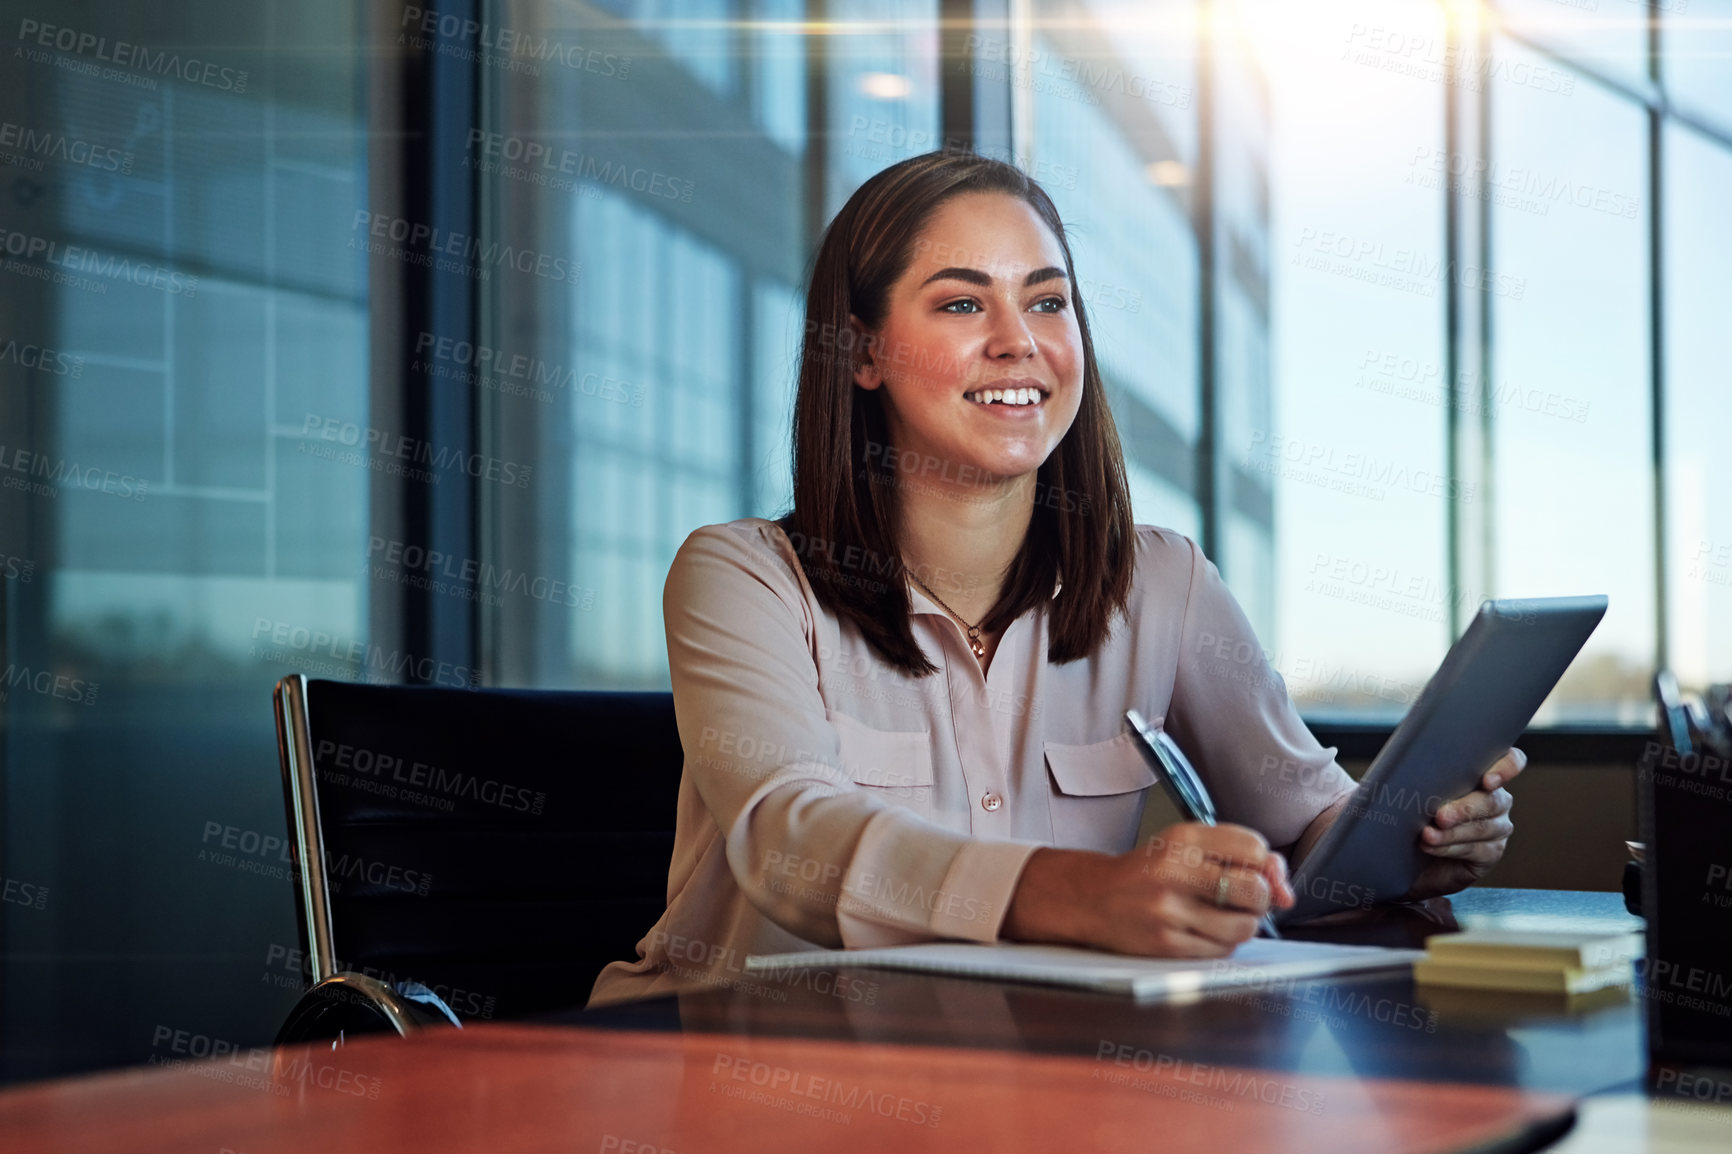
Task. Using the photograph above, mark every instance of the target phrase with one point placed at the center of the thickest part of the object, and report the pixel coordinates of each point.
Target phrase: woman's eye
(1052, 304)
(961, 306)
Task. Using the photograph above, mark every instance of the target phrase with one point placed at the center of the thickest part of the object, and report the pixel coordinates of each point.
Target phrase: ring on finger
(1221, 887)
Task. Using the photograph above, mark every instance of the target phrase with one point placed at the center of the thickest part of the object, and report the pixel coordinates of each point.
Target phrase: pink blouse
(830, 799)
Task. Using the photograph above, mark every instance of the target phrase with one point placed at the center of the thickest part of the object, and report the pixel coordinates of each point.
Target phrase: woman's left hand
(1467, 836)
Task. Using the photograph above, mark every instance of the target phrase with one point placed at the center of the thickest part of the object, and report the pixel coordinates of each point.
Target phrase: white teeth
(1023, 396)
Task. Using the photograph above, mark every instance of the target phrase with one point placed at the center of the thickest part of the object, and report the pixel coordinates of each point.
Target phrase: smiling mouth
(1019, 396)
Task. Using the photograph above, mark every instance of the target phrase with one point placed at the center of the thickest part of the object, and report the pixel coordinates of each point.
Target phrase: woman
(902, 704)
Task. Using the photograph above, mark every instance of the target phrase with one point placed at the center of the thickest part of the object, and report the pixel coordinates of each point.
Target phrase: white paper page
(1257, 963)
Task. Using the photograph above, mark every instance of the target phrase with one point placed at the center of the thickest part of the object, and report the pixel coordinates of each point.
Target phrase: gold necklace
(974, 641)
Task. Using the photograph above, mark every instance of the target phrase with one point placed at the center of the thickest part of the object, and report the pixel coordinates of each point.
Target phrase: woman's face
(984, 305)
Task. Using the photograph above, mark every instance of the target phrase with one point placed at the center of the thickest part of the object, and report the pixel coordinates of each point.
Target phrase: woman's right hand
(1158, 900)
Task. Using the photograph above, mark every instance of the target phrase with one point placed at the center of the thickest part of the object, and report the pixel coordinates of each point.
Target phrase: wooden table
(923, 1064)
(516, 1088)
(1378, 1025)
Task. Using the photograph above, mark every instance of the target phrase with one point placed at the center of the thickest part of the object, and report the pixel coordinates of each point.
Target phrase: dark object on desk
(1684, 785)
(498, 847)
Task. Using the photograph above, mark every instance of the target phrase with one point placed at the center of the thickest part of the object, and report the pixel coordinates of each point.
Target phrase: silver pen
(1182, 784)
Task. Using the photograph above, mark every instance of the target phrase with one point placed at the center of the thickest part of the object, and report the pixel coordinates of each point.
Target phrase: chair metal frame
(405, 1014)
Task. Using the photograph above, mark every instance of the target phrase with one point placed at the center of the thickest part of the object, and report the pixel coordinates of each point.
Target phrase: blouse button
(991, 802)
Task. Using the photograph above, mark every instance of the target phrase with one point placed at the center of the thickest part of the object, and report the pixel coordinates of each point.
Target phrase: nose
(1010, 339)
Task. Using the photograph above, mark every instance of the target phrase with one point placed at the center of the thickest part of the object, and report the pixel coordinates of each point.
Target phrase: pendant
(974, 642)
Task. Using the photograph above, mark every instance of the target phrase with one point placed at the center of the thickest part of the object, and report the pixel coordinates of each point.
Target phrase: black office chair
(469, 854)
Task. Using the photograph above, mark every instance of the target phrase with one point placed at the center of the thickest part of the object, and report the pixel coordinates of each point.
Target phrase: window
(687, 208)
(186, 511)
(1105, 151)
(1605, 36)
(1354, 442)
(1568, 397)
(1698, 257)
(1696, 37)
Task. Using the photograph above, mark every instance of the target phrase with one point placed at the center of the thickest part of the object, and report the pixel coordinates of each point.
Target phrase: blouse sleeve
(1231, 714)
(812, 851)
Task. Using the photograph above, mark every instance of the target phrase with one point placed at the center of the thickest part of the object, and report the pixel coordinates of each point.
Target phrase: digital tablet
(1490, 685)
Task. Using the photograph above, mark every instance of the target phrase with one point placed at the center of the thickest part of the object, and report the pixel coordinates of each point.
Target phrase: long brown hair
(843, 524)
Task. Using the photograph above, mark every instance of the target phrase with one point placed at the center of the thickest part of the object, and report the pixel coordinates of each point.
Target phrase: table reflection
(1376, 1025)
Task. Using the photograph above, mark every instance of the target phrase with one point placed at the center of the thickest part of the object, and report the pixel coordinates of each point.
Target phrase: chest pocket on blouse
(1098, 793)
(891, 764)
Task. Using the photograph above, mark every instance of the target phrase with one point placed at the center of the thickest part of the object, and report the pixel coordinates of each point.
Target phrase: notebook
(1533, 950)
(1259, 962)
(1563, 980)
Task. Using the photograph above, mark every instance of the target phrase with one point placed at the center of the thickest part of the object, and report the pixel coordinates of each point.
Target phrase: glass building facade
(184, 518)
(702, 317)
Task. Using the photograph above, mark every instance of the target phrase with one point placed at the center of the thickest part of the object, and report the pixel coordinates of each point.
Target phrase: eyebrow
(974, 276)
